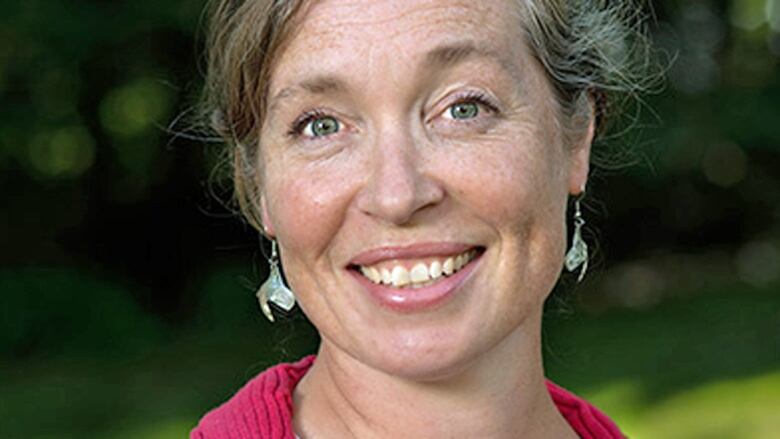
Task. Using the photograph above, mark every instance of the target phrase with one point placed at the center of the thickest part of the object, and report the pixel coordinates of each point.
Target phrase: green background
(126, 284)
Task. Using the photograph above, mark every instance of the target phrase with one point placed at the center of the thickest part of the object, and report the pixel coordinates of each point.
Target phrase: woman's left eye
(470, 106)
(463, 110)
(314, 124)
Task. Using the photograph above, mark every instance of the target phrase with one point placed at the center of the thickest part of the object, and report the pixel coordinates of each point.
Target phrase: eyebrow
(318, 85)
(450, 54)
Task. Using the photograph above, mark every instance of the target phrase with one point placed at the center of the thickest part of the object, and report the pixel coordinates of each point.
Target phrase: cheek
(306, 211)
(510, 183)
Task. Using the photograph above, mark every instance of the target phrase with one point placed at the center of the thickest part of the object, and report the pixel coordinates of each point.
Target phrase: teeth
(435, 271)
(374, 275)
(387, 278)
(420, 275)
(371, 273)
(400, 276)
(449, 266)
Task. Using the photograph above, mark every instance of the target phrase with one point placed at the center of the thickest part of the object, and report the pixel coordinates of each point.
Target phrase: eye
(313, 124)
(470, 105)
(463, 110)
(465, 113)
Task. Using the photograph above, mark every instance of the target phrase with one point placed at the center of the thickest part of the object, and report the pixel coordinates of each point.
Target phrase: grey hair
(596, 54)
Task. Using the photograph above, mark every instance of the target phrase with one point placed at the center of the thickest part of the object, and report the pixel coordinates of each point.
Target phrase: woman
(413, 160)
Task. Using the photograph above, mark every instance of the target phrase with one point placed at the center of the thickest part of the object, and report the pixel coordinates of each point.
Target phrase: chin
(425, 356)
(423, 369)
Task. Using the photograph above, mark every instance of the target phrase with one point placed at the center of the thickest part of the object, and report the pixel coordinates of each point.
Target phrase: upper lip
(419, 250)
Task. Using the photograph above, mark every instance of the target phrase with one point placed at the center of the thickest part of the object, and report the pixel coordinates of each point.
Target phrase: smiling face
(415, 175)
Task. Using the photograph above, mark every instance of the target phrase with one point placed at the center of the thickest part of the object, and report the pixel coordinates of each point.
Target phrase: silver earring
(273, 289)
(578, 253)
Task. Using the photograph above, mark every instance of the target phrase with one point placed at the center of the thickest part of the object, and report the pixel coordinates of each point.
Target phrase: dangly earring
(273, 289)
(578, 253)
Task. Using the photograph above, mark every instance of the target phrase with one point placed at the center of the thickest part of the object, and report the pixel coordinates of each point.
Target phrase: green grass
(735, 408)
(707, 366)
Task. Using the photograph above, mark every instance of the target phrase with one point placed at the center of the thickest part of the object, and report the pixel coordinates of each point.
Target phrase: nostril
(400, 182)
(397, 200)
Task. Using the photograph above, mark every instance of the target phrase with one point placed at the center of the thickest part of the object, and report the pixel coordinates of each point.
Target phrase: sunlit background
(126, 286)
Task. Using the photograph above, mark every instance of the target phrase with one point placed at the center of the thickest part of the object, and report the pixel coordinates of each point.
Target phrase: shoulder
(261, 409)
(588, 421)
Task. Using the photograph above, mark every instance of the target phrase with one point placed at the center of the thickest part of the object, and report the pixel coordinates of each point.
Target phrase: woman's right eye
(320, 126)
(463, 110)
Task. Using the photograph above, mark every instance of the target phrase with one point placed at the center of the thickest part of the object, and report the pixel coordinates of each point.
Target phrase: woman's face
(416, 141)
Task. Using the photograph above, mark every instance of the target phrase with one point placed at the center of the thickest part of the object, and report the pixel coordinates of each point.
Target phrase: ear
(580, 153)
(265, 217)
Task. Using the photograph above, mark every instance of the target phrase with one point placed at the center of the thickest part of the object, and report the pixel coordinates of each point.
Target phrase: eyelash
(475, 97)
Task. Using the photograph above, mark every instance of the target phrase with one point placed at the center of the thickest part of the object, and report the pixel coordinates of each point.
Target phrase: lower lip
(412, 299)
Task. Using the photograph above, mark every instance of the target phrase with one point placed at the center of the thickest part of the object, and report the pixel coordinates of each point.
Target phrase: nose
(398, 186)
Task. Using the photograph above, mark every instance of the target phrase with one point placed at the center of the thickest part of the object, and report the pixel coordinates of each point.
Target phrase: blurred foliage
(127, 283)
(56, 311)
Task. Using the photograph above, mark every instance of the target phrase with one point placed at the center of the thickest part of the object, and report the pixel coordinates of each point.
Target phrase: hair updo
(594, 52)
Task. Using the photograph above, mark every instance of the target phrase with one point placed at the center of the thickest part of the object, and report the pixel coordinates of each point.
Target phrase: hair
(595, 53)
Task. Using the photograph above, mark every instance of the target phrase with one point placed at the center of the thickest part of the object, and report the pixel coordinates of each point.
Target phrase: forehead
(393, 18)
(336, 34)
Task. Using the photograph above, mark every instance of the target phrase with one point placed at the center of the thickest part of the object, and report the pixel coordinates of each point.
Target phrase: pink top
(262, 409)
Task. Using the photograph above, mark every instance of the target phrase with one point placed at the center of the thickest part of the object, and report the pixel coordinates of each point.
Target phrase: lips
(414, 277)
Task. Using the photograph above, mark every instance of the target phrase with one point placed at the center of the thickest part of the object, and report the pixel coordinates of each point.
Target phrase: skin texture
(402, 171)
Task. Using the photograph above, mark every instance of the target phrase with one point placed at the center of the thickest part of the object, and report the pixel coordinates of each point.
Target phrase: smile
(416, 273)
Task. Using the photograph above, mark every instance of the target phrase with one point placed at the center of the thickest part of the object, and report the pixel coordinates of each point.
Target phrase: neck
(502, 395)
